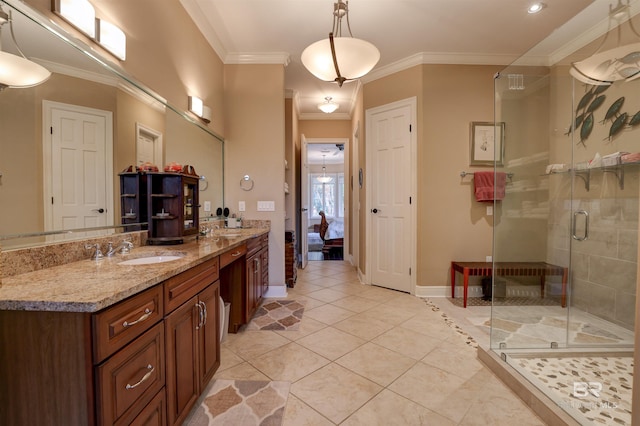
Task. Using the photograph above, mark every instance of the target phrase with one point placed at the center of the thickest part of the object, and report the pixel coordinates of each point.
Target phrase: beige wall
(255, 146)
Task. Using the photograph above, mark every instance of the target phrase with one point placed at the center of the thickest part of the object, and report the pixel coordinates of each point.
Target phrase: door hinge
(409, 271)
(51, 200)
(409, 128)
(51, 129)
(409, 200)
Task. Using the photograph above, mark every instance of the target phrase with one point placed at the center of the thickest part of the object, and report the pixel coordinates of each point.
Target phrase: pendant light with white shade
(328, 106)
(324, 178)
(340, 58)
(18, 71)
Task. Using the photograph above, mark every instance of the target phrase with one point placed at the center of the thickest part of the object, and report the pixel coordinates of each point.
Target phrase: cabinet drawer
(184, 286)
(154, 414)
(118, 325)
(232, 255)
(130, 379)
(264, 240)
(253, 246)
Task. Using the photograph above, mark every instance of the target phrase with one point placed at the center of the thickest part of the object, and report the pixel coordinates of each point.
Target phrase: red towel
(484, 185)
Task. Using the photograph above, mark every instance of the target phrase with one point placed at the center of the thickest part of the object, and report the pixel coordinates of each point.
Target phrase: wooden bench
(513, 269)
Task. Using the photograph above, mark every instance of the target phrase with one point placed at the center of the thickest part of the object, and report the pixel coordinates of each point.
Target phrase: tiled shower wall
(603, 267)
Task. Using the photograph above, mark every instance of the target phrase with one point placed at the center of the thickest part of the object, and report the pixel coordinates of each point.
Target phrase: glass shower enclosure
(571, 144)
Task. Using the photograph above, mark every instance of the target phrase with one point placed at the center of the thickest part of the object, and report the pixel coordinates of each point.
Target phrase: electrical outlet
(489, 210)
(241, 206)
(207, 206)
(488, 259)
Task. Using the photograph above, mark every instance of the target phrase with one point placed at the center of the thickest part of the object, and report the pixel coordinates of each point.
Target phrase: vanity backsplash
(20, 261)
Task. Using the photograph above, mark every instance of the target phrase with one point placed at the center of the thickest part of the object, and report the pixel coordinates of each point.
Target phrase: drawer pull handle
(204, 308)
(236, 254)
(200, 314)
(144, 378)
(147, 314)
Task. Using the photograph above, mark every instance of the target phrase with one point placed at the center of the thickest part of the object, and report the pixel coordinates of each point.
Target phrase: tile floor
(370, 356)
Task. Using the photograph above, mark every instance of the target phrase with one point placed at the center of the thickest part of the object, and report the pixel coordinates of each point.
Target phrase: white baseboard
(276, 291)
(474, 291)
(445, 291)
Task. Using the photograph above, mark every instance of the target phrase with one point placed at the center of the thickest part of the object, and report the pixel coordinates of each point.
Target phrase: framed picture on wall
(487, 140)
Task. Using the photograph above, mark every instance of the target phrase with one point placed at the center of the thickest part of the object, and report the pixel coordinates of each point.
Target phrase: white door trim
(412, 104)
(346, 203)
(47, 107)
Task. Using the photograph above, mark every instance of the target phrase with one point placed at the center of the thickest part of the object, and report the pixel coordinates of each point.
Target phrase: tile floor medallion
(594, 388)
(278, 315)
(242, 403)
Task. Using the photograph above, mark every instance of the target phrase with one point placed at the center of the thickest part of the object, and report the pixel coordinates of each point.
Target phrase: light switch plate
(207, 206)
(266, 206)
(241, 206)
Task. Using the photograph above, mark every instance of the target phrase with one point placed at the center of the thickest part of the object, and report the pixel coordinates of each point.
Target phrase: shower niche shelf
(585, 174)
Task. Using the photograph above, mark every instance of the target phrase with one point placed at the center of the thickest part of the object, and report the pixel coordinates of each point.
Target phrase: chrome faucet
(97, 255)
(124, 248)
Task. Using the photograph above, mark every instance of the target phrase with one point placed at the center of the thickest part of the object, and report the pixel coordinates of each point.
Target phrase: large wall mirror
(67, 139)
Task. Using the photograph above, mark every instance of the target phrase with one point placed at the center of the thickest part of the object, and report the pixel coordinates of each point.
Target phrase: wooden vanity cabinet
(257, 273)
(244, 279)
(192, 327)
(73, 368)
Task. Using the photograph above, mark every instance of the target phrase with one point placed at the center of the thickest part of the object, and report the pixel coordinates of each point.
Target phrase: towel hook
(246, 183)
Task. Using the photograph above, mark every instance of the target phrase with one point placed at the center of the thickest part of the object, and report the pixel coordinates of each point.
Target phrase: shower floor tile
(596, 389)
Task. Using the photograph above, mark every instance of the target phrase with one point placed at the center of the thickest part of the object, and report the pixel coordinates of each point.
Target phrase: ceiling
(407, 33)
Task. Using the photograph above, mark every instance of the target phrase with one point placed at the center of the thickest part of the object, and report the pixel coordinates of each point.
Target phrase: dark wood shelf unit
(172, 203)
(133, 198)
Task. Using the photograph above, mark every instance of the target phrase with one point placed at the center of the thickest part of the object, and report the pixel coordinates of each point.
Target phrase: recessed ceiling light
(536, 7)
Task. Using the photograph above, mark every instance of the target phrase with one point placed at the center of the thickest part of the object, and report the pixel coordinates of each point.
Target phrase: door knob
(374, 210)
(100, 210)
(304, 210)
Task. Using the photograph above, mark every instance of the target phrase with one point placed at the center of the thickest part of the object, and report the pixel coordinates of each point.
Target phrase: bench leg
(563, 299)
(466, 286)
(453, 282)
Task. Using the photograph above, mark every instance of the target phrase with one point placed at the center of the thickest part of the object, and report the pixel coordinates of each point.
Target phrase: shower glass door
(566, 233)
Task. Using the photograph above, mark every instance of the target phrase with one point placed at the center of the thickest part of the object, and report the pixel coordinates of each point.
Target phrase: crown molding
(70, 71)
(199, 17)
(258, 58)
(438, 58)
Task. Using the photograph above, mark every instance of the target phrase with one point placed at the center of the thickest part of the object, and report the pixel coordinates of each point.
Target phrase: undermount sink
(230, 235)
(150, 260)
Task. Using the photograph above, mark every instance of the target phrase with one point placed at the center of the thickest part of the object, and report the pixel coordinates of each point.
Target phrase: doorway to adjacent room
(325, 197)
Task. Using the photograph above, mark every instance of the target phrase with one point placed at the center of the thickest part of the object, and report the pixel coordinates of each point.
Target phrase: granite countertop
(90, 285)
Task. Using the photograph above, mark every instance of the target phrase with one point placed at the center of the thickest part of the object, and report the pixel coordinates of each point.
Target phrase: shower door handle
(586, 225)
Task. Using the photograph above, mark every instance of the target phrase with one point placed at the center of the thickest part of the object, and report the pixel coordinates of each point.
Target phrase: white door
(78, 161)
(389, 174)
(304, 202)
(148, 146)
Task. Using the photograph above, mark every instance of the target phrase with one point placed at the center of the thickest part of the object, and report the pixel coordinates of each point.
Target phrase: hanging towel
(485, 188)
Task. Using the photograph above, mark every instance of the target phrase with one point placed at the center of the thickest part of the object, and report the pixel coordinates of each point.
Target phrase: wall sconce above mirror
(82, 15)
(197, 106)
